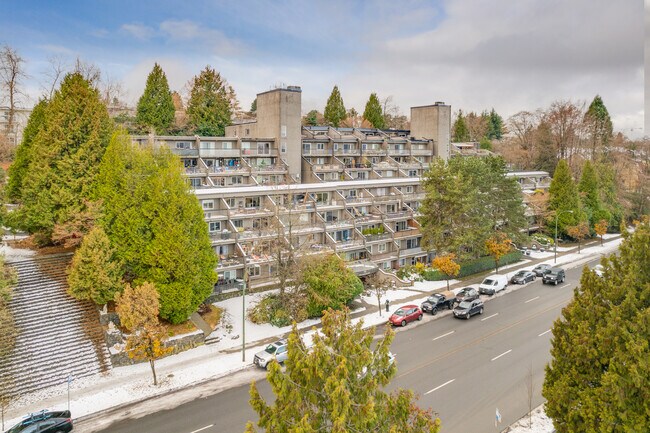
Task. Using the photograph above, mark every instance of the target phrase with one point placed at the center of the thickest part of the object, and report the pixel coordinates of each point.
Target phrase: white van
(493, 284)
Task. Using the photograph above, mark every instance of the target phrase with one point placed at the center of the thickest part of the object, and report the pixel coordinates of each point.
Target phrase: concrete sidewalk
(206, 367)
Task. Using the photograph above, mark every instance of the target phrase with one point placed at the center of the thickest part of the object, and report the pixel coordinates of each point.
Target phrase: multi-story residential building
(21, 115)
(352, 191)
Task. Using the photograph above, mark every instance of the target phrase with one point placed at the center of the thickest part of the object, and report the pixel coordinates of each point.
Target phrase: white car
(599, 270)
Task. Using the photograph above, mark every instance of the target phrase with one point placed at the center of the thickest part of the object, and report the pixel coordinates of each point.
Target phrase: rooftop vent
(439, 103)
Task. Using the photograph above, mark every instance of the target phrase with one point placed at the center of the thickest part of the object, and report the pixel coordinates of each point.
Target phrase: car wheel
(556, 282)
(434, 310)
(480, 311)
(420, 317)
(468, 316)
(451, 305)
(403, 322)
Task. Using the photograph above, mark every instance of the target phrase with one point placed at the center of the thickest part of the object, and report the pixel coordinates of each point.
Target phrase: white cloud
(138, 30)
(212, 39)
(58, 49)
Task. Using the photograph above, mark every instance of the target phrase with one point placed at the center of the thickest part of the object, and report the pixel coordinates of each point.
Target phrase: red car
(405, 314)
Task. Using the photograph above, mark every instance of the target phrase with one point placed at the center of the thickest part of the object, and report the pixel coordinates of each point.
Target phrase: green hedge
(475, 266)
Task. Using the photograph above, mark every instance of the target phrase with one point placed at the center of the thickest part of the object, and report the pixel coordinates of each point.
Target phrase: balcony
(317, 152)
(219, 153)
(327, 167)
(276, 168)
(229, 263)
(397, 215)
(338, 224)
(406, 233)
(377, 238)
(349, 245)
(256, 234)
(382, 257)
(259, 152)
(374, 152)
(354, 152)
(358, 167)
(421, 152)
(412, 252)
(249, 212)
(399, 152)
(358, 200)
(229, 171)
(386, 198)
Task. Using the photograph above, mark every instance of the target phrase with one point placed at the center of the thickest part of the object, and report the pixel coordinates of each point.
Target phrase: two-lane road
(462, 369)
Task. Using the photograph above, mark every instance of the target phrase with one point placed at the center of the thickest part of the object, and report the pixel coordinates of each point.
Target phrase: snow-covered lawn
(538, 423)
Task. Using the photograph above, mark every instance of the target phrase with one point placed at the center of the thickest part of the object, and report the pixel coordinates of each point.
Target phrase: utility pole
(557, 214)
(243, 317)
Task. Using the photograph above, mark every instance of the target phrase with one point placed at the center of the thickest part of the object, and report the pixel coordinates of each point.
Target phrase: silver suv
(276, 351)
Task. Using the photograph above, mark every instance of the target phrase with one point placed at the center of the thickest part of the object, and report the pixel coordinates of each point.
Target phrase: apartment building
(352, 191)
(21, 116)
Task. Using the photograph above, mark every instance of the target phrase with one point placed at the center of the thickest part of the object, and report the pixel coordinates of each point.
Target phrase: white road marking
(203, 428)
(438, 387)
(488, 317)
(504, 353)
(443, 335)
(544, 333)
(566, 285)
(531, 300)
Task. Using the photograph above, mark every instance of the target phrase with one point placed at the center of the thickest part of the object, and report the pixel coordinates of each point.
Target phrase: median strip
(531, 300)
(438, 387)
(499, 356)
(488, 317)
(202, 428)
(443, 335)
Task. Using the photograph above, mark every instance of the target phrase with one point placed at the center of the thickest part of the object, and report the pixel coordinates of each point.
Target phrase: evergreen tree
(329, 283)
(597, 380)
(335, 109)
(599, 124)
(545, 151)
(209, 108)
(66, 153)
(94, 274)
(495, 125)
(337, 385)
(18, 170)
(564, 201)
(156, 226)
(373, 113)
(609, 193)
(311, 119)
(254, 106)
(156, 106)
(590, 195)
(459, 131)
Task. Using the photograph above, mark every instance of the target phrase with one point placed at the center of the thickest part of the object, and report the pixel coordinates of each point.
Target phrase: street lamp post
(243, 308)
(557, 214)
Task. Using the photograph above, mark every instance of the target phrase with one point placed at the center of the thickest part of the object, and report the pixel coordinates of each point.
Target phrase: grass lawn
(213, 317)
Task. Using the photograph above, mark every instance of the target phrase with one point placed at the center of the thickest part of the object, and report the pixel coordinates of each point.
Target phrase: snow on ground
(133, 383)
(538, 423)
(15, 254)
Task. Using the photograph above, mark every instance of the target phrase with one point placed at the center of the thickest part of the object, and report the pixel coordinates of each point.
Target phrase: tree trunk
(447, 283)
(496, 263)
(379, 304)
(601, 240)
(153, 371)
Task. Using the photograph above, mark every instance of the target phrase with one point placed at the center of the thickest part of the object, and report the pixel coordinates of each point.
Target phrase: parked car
(438, 301)
(466, 294)
(542, 269)
(467, 309)
(44, 422)
(522, 277)
(554, 276)
(274, 352)
(406, 314)
(599, 270)
(493, 284)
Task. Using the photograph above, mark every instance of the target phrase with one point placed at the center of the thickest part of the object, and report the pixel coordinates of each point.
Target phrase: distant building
(21, 116)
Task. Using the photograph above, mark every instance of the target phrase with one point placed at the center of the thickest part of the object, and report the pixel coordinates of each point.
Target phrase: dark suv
(554, 276)
(542, 269)
(44, 422)
(438, 301)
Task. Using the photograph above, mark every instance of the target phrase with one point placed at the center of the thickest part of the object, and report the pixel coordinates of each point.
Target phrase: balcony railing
(381, 237)
(347, 245)
(398, 152)
(235, 169)
(328, 167)
(383, 256)
(411, 251)
(406, 233)
(346, 152)
(317, 152)
(397, 215)
(422, 152)
(230, 262)
(255, 233)
(269, 168)
(259, 152)
(385, 198)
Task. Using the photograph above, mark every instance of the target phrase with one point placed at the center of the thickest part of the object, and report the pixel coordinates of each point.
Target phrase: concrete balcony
(249, 212)
(229, 171)
(374, 152)
(399, 152)
(230, 263)
(412, 252)
(271, 169)
(317, 152)
(398, 215)
(261, 153)
(327, 167)
(377, 238)
(359, 200)
(256, 234)
(349, 245)
(340, 224)
(383, 257)
(348, 152)
(386, 198)
(421, 152)
(219, 153)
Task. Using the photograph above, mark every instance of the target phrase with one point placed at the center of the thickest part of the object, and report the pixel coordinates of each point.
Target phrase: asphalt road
(463, 369)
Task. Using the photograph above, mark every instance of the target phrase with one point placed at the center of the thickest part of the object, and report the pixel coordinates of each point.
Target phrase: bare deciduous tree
(378, 285)
(53, 75)
(12, 72)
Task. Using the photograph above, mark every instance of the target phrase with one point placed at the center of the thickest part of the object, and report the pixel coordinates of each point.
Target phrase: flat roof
(527, 173)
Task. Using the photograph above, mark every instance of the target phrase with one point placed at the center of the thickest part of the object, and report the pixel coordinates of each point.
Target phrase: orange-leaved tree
(138, 310)
(498, 245)
(601, 228)
(446, 263)
(578, 232)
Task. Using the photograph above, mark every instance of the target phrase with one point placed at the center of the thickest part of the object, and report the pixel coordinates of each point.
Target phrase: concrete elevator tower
(433, 122)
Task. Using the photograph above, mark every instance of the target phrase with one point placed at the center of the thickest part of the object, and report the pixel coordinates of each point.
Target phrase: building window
(413, 173)
(208, 145)
(382, 248)
(207, 204)
(214, 226)
(252, 202)
(236, 180)
(248, 131)
(238, 223)
(195, 182)
(283, 131)
(183, 145)
(283, 149)
(231, 202)
(409, 189)
(254, 271)
(226, 145)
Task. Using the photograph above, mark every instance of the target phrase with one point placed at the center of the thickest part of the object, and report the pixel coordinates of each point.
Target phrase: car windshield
(465, 304)
(433, 299)
(520, 274)
(489, 282)
(400, 312)
(271, 348)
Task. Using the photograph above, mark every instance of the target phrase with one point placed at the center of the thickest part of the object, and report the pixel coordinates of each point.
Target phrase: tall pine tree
(564, 201)
(590, 195)
(598, 378)
(599, 125)
(66, 154)
(495, 125)
(156, 106)
(335, 109)
(24, 153)
(209, 107)
(156, 226)
(459, 132)
(373, 113)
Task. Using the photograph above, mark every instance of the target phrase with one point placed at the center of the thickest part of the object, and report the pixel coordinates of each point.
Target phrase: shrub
(272, 309)
(475, 266)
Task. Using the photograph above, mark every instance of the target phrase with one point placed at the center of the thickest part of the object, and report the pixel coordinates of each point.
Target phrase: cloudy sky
(508, 54)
